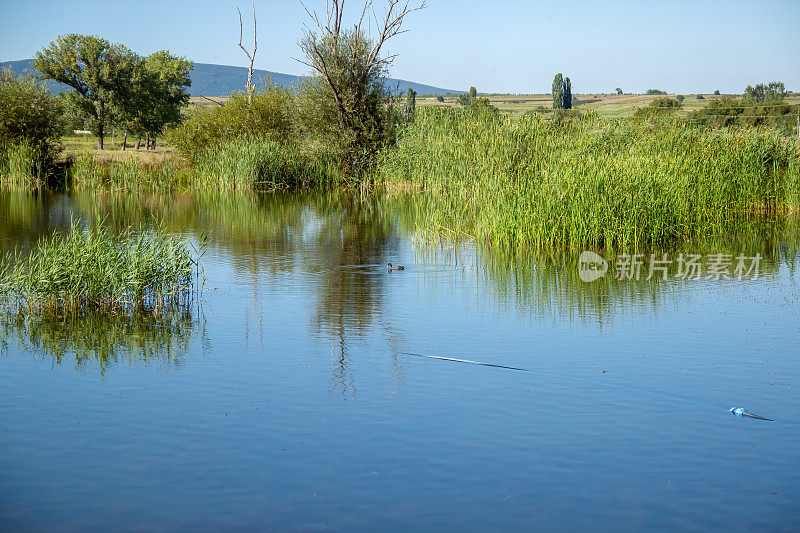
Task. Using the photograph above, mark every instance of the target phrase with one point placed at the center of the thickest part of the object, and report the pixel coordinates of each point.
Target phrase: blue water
(291, 406)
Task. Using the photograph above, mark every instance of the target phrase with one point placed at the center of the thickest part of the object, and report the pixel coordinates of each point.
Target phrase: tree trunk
(138, 142)
(100, 124)
(147, 142)
(125, 140)
(154, 143)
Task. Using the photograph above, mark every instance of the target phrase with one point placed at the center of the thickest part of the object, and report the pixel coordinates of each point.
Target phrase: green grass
(22, 167)
(263, 165)
(571, 184)
(91, 269)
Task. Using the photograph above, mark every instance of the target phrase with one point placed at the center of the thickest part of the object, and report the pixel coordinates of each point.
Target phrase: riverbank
(533, 183)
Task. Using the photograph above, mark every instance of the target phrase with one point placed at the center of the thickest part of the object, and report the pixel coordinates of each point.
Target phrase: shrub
(658, 107)
(680, 98)
(655, 91)
(271, 116)
(716, 93)
(31, 124)
(699, 97)
(440, 98)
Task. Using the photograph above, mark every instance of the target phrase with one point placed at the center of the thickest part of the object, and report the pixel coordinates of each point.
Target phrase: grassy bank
(570, 184)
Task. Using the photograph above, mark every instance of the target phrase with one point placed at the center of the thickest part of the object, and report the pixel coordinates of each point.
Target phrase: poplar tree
(558, 91)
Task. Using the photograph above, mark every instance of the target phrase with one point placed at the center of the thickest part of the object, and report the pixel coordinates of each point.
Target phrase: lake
(286, 397)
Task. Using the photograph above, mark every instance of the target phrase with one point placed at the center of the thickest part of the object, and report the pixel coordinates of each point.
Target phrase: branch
(240, 34)
(210, 100)
(392, 27)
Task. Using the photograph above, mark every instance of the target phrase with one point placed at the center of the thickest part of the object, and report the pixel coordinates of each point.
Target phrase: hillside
(221, 80)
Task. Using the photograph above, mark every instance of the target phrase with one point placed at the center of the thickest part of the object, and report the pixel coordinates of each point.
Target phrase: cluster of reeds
(87, 172)
(580, 183)
(249, 163)
(91, 269)
(23, 166)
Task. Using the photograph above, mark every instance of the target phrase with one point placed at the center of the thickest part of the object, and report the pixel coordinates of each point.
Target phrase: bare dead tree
(391, 26)
(250, 56)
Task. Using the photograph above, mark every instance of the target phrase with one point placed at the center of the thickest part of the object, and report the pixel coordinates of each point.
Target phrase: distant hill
(221, 80)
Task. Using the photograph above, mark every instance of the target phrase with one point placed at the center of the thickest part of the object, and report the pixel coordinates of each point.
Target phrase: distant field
(610, 106)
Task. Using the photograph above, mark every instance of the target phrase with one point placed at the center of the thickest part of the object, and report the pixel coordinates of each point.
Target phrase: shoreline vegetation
(551, 178)
(541, 182)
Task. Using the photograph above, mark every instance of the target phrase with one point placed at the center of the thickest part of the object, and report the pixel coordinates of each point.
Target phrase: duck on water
(398, 267)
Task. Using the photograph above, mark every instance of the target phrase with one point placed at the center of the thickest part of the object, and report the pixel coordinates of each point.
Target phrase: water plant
(576, 183)
(91, 269)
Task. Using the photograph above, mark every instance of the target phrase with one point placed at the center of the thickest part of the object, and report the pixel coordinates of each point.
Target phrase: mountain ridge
(209, 79)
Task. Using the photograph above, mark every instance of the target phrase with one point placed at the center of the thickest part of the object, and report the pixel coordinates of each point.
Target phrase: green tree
(567, 94)
(558, 91)
(619, 91)
(771, 92)
(473, 92)
(29, 115)
(562, 92)
(345, 102)
(411, 104)
(98, 72)
(157, 95)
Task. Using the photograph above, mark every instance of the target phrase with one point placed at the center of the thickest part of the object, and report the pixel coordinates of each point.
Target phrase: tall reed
(249, 163)
(571, 184)
(93, 269)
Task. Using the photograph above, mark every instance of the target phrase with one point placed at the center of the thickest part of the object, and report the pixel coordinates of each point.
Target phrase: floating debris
(742, 412)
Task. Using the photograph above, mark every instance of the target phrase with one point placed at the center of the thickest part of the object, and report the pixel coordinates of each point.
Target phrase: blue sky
(500, 46)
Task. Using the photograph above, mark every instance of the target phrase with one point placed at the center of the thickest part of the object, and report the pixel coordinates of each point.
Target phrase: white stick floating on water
(742, 412)
(738, 411)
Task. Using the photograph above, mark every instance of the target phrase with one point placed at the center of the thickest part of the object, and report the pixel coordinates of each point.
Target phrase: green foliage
(728, 111)
(716, 93)
(411, 104)
(92, 269)
(271, 115)
(468, 98)
(658, 107)
(655, 91)
(440, 98)
(699, 97)
(347, 108)
(156, 94)
(99, 73)
(558, 91)
(562, 92)
(680, 98)
(259, 164)
(763, 93)
(87, 172)
(567, 185)
(31, 124)
(619, 91)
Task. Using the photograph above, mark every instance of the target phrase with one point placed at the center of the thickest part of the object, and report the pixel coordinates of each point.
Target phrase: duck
(398, 267)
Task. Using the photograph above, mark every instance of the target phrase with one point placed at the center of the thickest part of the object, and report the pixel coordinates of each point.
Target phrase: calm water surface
(285, 401)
